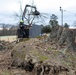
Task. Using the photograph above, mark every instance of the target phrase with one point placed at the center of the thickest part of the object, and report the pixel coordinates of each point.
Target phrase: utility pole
(61, 15)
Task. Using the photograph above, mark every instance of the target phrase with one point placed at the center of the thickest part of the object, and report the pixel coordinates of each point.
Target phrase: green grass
(42, 58)
(6, 72)
(50, 49)
(40, 37)
(24, 39)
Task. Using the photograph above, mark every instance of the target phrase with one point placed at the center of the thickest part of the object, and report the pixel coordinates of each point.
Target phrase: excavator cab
(23, 30)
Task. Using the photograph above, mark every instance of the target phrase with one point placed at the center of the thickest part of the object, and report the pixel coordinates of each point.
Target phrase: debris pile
(4, 45)
(63, 38)
(39, 58)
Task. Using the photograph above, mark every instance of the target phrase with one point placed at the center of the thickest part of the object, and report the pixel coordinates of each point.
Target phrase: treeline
(8, 30)
(52, 24)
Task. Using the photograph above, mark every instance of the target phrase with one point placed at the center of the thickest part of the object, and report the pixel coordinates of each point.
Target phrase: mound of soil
(63, 38)
(39, 58)
(4, 45)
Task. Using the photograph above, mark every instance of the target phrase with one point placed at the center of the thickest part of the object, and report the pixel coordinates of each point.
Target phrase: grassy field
(8, 38)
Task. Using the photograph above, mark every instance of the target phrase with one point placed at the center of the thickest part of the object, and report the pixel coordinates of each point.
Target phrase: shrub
(46, 29)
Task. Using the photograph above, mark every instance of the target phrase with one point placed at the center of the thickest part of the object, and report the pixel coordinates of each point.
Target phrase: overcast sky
(8, 7)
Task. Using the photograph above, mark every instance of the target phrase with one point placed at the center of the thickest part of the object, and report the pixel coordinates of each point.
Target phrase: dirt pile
(4, 45)
(63, 38)
(38, 57)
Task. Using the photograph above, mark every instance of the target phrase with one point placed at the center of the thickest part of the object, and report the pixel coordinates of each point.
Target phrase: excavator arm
(35, 13)
(23, 31)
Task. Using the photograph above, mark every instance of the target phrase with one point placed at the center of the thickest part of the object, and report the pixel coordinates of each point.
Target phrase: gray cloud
(7, 8)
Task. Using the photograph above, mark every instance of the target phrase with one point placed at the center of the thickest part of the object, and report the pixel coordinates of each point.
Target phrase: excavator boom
(23, 31)
(24, 12)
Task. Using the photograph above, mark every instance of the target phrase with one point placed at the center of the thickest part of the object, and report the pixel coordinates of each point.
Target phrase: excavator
(23, 30)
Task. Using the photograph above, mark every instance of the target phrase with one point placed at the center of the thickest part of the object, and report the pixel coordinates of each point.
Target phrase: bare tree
(30, 17)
